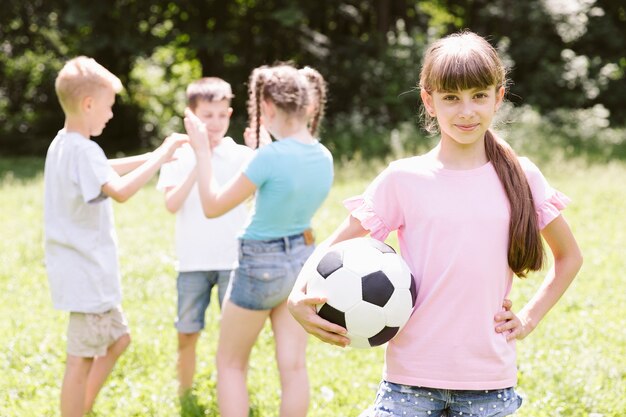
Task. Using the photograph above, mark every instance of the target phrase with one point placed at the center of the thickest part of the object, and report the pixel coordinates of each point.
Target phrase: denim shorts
(194, 295)
(267, 271)
(403, 400)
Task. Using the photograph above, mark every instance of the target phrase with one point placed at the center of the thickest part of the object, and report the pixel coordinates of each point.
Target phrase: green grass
(573, 365)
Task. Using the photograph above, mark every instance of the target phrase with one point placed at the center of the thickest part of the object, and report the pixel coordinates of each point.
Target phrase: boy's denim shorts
(267, 271)
(194, 295)
(403, 400)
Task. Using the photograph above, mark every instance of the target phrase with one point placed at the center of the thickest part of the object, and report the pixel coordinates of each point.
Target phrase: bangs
(460, 65)
(463, 74)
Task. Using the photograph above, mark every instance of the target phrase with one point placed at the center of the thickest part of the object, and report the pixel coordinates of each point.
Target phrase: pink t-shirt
(453, 233)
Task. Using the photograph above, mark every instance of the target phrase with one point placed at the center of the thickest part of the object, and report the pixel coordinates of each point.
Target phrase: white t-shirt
(80, 241)
(204, 244)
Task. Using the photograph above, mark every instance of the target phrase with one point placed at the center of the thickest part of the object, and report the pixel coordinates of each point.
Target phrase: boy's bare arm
(124, 165)
(124, 187)
(176, 196)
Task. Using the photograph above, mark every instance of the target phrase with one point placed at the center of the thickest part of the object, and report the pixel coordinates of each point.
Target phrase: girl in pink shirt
(469, 214)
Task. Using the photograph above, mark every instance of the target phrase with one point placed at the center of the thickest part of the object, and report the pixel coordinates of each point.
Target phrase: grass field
(573, 365)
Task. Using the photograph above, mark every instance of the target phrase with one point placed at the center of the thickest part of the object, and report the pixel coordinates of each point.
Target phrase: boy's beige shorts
(89, 334)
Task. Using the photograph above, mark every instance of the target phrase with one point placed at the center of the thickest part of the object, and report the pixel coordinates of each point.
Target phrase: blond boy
(206, 249)
(80, 242)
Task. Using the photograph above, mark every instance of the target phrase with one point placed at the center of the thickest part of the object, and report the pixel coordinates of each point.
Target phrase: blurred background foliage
(567, 59)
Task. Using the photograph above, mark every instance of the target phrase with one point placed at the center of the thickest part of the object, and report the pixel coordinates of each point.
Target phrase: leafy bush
(159, 83)
(562, 132)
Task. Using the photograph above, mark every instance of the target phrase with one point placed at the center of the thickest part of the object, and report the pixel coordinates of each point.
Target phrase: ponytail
(462, 61)
(525, 251)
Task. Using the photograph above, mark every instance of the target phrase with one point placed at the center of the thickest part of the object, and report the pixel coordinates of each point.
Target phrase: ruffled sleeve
(551, 208)
(361, 210)
(548, 201)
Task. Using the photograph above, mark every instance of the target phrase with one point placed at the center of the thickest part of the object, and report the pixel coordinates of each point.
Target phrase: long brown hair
(466, 61)
(281, 84)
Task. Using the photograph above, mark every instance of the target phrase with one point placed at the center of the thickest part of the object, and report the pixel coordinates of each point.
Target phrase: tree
(563, 55)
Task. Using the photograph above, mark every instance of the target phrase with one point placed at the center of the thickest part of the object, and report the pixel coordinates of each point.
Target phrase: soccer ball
(369, 290)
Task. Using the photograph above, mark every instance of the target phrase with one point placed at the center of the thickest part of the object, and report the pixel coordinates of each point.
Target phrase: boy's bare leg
(75, 385)
(102, 367)
(186, 361)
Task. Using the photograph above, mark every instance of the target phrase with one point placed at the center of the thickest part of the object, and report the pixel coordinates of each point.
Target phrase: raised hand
(198, 137)
(251, 141)
(170, 144)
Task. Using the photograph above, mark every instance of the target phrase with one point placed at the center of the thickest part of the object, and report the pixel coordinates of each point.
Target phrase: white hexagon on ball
(339, 289)
(399, 308)
(365, 319)
(396, 270)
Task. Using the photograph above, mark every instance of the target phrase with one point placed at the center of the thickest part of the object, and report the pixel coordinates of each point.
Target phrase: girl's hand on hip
(509, 323)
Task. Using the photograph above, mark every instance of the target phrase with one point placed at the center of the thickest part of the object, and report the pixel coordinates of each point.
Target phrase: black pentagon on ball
(333, 315)
(413, 291)
(376, 287)
(383, 336)
(331, 262)
(382, 246)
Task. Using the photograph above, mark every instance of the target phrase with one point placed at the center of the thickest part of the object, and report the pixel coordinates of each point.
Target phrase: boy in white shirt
(80, 241)
(207, 249)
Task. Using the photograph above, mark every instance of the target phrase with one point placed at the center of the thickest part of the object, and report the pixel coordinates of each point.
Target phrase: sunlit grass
(573, 365)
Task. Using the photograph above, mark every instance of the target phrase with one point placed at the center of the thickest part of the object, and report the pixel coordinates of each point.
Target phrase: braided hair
(317, 90)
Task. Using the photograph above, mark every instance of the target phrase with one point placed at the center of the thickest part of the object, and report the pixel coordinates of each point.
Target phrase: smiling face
(463, 116)
(216, 117)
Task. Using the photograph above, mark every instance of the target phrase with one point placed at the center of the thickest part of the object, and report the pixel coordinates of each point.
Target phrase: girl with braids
(469, 214)
(255, 138)
(290, 179)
